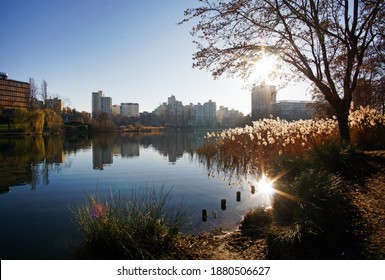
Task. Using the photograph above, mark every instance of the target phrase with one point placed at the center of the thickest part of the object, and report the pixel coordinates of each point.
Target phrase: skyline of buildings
(264, 105)
(16, 95)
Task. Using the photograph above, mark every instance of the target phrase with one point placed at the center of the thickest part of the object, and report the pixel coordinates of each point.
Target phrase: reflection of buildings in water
(172, 145)
(130, 149)
(175, 144)
(56, 158)
(101, 156)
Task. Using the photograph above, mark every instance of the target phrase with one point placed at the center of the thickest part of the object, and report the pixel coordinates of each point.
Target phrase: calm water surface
(41, 179)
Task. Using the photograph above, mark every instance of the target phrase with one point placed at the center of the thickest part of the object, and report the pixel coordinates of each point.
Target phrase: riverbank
(367, 193)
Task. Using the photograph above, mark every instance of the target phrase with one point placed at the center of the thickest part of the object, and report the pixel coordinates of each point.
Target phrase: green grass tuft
(136, 225)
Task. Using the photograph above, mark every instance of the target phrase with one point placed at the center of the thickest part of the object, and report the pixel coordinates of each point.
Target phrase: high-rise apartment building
(209, 113)
(262, 99)
(101, 104)
(264, 104)
(14, 95)
(106, 104)
(96, 103)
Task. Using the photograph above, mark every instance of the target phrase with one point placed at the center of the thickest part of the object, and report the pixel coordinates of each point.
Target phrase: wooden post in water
(223, 204)
(252, 189)
(238, 196)
(204, 215)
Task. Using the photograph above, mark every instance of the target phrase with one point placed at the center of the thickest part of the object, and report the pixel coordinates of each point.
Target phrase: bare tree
(44, 90)
(323, 41)
(34, 90)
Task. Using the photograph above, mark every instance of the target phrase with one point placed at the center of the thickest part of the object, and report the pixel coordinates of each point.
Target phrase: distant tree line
(33, 122)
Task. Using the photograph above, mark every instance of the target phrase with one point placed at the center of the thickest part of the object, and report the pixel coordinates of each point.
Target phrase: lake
(43, 178)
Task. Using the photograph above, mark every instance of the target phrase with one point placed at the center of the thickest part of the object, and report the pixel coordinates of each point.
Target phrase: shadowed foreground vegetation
(328, 199)
(322, 186)
(135, 225)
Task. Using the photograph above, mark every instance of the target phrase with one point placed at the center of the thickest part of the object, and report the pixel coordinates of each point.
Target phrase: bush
(256, 221)
(144, 225)
(313, 213)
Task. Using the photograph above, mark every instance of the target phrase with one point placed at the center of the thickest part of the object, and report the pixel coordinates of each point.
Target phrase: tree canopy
(326, 42)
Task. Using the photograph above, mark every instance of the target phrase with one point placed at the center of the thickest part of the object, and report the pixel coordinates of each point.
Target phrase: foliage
(312, 214)
(138, 225)
(243, 150)
(326, 42)
(37, 121)
(103, 123)
(53, 121)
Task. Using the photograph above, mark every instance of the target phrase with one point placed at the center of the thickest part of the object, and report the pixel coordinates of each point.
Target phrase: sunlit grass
(243, 150)
(305, 173)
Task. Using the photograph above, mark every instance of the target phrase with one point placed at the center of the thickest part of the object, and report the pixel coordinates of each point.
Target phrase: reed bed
(249, 149)
(311, 215)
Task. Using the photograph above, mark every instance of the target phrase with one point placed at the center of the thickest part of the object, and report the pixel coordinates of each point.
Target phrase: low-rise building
(54, 104)
(292, 110)
(130, 110)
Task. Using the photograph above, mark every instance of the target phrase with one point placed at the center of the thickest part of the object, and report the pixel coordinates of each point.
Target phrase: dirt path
(370, 199)
(226, 246)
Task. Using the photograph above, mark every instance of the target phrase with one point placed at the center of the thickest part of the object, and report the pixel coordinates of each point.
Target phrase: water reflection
(31, 160)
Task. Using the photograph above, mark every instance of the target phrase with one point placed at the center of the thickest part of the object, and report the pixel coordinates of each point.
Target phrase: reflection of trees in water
(30, 160)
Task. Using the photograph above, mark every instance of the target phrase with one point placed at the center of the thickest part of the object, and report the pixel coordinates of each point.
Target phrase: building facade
(130, 110)
(14, 95)
(292, 110)
(106, 104)
(54, 104)
(116, 110)
(210, 113)
(228, 118)
(101, 104)
(264, 105)
(96, 103)
(262, 99)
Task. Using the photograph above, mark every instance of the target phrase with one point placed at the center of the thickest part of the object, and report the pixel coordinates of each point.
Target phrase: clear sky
(132, 50)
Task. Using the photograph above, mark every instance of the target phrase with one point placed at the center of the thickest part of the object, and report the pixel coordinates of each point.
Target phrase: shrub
(313, 205)
(256, 221)
(141, 225)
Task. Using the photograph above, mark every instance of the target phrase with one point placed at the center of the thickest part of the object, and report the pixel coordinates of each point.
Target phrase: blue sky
(132, 50)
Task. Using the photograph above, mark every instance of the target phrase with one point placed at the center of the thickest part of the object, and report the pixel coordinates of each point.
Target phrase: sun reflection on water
(263, 188)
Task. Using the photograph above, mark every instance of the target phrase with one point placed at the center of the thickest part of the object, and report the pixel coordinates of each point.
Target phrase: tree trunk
(342, 112)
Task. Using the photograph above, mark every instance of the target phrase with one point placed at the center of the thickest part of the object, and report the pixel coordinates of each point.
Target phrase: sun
(265, 186)
(264, 68)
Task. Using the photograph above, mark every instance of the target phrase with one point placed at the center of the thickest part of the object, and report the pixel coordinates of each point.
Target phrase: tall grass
(137, 225)
(244, 150)
(312, 213)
